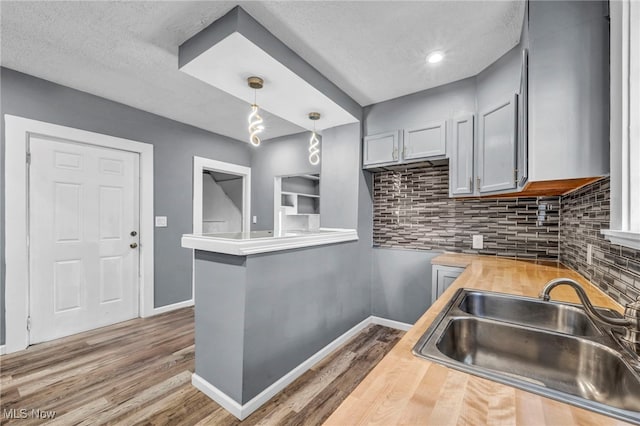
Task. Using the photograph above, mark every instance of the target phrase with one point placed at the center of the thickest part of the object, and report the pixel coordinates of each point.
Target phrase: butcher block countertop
(405, 390)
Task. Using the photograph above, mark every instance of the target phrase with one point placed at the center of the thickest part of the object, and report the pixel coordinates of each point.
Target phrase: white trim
(2, 350)
(17, 131)
(263, 244)
(199, 165)
(622, 238)
(218, 396)
(391, 323)
(172, 307)
(244, 411)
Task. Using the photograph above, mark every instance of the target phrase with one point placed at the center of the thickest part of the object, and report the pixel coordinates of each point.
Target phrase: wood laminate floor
(139, 372)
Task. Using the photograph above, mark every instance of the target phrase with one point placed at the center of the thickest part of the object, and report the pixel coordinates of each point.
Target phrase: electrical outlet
(255, 219)
(161, 221)
(589, 254)
(478, 242)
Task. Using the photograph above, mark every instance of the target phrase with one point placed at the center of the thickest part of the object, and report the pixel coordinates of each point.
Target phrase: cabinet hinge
(28, 323)
(515, 176)
(28, 158)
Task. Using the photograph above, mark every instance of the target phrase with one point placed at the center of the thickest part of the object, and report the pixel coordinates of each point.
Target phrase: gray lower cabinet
(442, 278)
(497, 147)
(461, 156)
(381, 149)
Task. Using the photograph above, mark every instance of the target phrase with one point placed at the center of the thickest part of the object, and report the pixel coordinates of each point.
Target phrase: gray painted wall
(340, 177)
(233, 189)
(175, 144)
(220, 319)
(421, 108)
(401, 283)
(287, 155)
(325, 296)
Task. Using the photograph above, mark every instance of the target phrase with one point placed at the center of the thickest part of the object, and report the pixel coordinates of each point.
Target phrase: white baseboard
(217, 395)
(168, 308)
(390, 323)
(243, 411)
(2, 349)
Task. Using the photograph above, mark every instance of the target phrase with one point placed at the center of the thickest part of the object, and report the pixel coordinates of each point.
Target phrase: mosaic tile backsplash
(614, 268)
(412, 210)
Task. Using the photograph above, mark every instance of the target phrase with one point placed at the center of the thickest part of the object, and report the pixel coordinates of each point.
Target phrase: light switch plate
(589, 254)
(478, 242)
(255, 219)
(161, 221)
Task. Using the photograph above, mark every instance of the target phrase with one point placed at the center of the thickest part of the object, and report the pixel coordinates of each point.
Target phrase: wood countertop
(406, 390)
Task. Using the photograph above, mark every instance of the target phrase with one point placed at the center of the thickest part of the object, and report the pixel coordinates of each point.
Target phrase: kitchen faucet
(630, 322)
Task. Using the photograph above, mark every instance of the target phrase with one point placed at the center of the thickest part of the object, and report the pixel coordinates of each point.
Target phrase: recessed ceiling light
(435, 57)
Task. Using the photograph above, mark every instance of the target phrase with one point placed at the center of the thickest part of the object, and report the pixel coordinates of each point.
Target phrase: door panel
(427, 141)
(461, 161)
(83, 205)
(497, 147)
(67, 283)
(381, 148)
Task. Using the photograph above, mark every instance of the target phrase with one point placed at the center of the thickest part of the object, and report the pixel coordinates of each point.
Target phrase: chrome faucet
(630, 322)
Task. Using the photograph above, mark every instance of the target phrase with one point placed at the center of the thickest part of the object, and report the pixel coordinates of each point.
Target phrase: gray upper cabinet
(523, 122)
(497, 147)
(381, 149)
(425, 141)
(461, 156)
(568, 90)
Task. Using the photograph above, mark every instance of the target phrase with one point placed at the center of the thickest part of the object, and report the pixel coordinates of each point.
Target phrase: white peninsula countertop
(255, 242)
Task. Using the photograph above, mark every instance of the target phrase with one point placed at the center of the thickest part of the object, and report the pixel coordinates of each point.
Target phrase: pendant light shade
(314, 143)
(255, 121)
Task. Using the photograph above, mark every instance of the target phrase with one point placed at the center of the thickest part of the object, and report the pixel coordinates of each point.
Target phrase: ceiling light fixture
(435, 57)
(314, 151)
(255, 121)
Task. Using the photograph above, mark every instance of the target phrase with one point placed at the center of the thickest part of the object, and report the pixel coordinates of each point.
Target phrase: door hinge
(28, 323)
(515, 176)
(28, 158)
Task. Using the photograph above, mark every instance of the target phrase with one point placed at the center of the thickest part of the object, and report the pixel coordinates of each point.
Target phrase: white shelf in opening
(299, 194)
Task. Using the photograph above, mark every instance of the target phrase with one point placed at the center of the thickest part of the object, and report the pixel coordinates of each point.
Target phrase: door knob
(134, 233)
(133, 245)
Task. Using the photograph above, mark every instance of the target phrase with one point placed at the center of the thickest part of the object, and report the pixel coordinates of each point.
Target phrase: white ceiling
(374, 51)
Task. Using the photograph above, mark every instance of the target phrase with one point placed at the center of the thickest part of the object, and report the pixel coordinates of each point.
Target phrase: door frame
(16, 220)
(200, 164)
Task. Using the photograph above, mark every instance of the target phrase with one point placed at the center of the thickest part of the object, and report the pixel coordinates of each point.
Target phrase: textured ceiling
(374, 51)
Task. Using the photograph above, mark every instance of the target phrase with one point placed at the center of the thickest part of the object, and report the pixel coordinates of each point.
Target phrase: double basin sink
(549, 348)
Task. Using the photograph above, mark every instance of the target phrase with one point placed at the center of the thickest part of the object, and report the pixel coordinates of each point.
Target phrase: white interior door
(83, 231)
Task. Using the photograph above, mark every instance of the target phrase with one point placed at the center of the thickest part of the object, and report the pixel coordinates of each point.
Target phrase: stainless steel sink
(561, 317)
(561, 354)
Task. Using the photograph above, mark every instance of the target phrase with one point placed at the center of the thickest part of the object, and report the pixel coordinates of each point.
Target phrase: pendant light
(314, 151)
(255, 121)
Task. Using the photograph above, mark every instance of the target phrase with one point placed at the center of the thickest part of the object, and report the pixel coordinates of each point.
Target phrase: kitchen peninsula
(248, 288)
